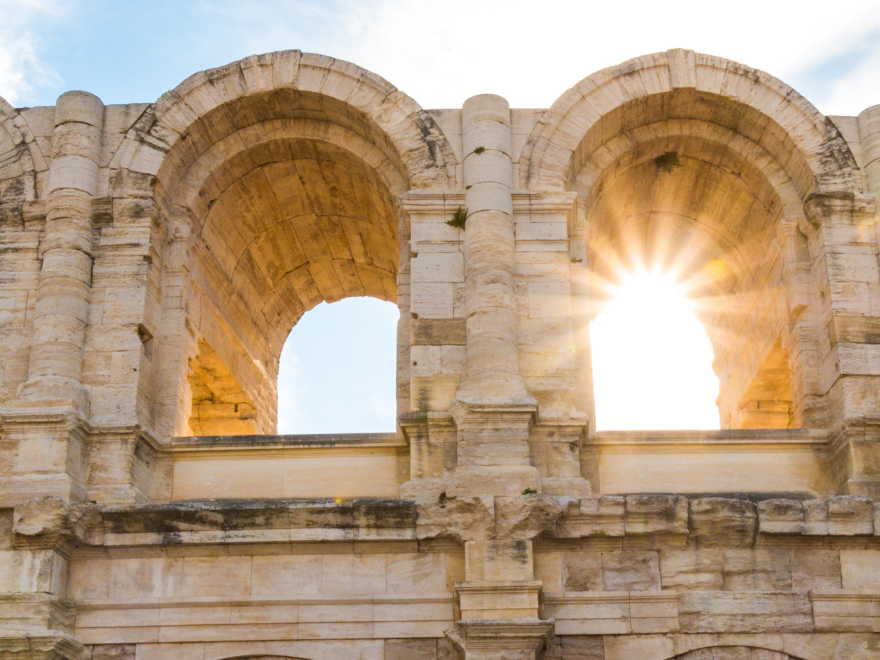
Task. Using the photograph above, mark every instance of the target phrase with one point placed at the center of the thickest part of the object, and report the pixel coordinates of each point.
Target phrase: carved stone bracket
(511, 639)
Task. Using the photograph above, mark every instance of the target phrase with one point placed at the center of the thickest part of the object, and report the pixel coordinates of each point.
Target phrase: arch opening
(673, 185)
(337, 371)
(652, 359)
(238, 266)
(284, 226)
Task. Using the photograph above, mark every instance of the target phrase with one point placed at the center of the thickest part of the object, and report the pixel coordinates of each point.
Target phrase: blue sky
(440, 53)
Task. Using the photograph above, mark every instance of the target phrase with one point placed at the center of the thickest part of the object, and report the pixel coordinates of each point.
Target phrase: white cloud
(531, 53)
(856, 90)
(21, 67)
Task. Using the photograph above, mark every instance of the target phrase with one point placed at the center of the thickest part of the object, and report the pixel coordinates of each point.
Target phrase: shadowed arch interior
(288, 224)
(294, 223)
(277, 105)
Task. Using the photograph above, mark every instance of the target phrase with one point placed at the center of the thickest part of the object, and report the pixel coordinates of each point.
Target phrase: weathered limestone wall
(154, 257)
(661, 575)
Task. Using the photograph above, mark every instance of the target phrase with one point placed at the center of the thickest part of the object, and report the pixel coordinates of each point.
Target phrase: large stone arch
(22, 167)
(735, 653)
(357, 98)
(821, 159)
(20, 161)
(700, 165)
(275, 183)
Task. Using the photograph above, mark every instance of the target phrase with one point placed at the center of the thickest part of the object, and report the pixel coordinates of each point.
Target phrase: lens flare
(652, 359)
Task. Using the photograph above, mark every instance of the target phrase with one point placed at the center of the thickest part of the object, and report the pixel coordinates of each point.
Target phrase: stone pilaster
(55, 370)
(45, 435)
(800, 338)
(500, 600)
(493, 409)
(501, 639)
(846, 262)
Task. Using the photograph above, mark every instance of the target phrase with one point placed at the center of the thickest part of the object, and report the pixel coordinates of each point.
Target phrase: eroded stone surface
(154, 257)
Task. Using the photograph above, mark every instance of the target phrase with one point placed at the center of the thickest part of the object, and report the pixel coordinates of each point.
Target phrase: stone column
(869, 131)
(489, 252)
(493, 410)
(55, 370)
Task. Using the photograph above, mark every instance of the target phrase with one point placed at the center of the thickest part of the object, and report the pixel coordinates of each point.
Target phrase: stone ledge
(658, 520)
(244, 442)
(314, 618)
(644, 612)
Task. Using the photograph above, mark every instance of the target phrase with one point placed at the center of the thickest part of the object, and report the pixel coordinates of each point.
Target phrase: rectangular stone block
(815, 569)
(499, 560)
(582, 571)
(422, 573)
(630, 570)
(280, 575)
(602, 516)
(432, 300)
(722, 522)
(656, 514)
(353, 574)
(860, 569)
(757, 570)
(437, 332)
(691, 570)
(438, 267)
(550, 300)
(719, 611)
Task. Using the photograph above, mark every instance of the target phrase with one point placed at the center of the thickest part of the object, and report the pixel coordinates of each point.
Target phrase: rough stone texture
(154, 257)
(460, 518)
(530, 515)
(722, 522)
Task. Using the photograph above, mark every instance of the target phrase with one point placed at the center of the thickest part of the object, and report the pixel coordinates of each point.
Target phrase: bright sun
(652, 360)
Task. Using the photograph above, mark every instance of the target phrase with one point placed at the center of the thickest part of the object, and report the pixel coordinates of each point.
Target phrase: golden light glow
(652, 360)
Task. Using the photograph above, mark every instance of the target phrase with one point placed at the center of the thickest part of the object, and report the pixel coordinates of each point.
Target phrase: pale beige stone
(859, 569)
(623, 648)
(154, 257)
(689, 570)
(630, 570)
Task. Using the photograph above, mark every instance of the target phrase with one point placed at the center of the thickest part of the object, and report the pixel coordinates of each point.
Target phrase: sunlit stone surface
(155, 256)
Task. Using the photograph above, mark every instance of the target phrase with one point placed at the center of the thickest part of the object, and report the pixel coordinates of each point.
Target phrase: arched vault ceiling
(704, 115)
(235, 117)
(681, 84)
(714, 144)
(290, 223)
(689, 215)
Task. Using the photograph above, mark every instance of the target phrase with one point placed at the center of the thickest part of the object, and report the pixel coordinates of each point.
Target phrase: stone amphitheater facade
(153, 258)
